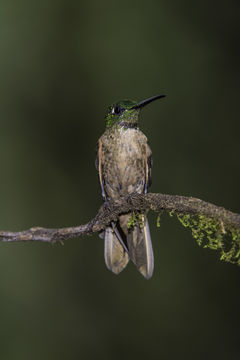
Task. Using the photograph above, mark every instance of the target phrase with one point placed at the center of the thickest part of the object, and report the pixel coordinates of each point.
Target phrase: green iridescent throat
(128, 116)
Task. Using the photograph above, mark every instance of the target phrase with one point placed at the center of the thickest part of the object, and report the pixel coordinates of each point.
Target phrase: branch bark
(136, 202)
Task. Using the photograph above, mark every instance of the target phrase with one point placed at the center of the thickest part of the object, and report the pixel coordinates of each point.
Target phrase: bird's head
(125, 113)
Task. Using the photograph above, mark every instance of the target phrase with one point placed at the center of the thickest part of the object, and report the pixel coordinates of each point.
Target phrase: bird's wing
(98, 165)
(148, 168)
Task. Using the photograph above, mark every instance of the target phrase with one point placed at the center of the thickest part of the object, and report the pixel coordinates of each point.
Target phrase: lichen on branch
(213, 234)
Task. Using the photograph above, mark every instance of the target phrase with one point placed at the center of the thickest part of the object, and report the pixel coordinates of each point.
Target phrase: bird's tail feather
(116, 258)
(138, 241)
(140, 247)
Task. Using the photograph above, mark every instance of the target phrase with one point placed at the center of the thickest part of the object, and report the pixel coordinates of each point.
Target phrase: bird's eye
(117, 110)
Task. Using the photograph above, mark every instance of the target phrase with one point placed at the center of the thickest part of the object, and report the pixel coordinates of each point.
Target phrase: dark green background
(61, 64)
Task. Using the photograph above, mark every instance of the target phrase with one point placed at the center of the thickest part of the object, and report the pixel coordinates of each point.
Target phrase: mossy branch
(212, 226)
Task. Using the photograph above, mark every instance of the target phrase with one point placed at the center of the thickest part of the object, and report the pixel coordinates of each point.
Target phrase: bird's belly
(124, 166)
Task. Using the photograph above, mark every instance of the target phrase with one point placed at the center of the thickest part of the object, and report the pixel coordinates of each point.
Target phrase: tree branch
(179, 205)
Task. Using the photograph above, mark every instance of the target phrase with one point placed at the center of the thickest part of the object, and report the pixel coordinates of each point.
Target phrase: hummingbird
(124, 165)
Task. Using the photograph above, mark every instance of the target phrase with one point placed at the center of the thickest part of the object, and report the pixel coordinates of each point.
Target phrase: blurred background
(62, 63)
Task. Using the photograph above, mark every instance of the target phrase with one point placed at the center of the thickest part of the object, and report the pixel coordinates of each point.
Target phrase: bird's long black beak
(147, 101)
